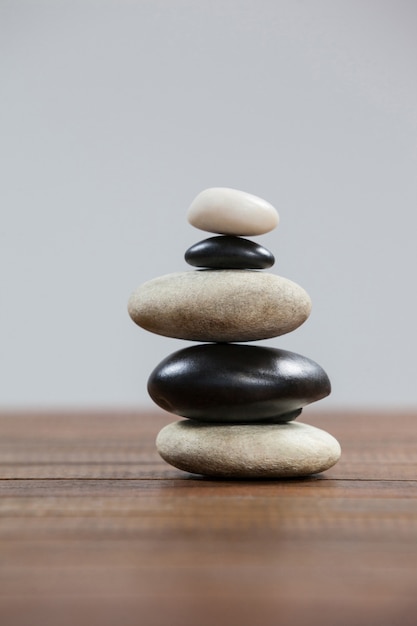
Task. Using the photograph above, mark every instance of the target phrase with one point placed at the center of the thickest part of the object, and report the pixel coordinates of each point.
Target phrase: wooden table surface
(96, 529)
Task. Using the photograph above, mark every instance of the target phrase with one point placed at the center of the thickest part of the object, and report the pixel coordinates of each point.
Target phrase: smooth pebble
(220, 305)
(248, 451)
(232, 212)
(229, 252)
(232, 383)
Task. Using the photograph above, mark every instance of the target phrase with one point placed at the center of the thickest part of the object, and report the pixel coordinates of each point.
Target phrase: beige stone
(232, 212)
(220, 305)
(248, 451)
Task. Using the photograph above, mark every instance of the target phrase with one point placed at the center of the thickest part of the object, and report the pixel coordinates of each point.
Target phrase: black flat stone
(234, 383)
(228, 252)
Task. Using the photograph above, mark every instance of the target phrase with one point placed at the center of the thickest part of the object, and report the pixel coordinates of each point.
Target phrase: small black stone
(229, 252)
(234, 383)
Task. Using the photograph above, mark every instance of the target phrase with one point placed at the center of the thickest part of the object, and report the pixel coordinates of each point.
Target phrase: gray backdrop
(115, 114)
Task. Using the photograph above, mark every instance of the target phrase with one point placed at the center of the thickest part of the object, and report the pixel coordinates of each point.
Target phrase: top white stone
(231, 212)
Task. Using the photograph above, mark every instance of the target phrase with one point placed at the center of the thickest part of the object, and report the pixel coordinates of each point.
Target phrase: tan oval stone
(232, 212)
(220, 305)
(248, 451)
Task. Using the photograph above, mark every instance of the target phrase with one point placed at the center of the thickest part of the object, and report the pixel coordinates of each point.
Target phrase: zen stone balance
(239, 401)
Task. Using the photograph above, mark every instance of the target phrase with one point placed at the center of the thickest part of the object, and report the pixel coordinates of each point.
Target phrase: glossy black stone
(228, 252)
(234, 383)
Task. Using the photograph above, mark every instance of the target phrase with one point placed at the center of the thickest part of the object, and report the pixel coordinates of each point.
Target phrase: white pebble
(232, 212)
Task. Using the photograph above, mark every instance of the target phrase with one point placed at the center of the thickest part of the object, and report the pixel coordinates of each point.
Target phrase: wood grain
(96, 529)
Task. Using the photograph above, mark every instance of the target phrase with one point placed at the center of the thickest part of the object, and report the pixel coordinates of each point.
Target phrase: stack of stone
(240, 400)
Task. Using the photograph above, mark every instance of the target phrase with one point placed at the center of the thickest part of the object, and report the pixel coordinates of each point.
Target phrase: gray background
(115, 114)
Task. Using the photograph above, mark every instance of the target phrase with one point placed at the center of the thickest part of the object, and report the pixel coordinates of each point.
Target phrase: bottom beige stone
(248, 450)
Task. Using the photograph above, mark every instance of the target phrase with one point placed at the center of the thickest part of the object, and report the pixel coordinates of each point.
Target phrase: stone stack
(239, 400)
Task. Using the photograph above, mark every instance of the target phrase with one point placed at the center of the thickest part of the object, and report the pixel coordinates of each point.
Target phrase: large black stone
(234, 383)
(228, 252)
